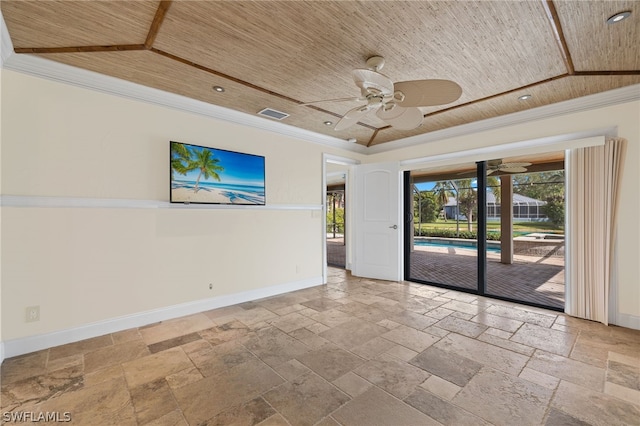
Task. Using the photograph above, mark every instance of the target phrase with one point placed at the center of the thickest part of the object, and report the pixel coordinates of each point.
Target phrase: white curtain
(594, 175)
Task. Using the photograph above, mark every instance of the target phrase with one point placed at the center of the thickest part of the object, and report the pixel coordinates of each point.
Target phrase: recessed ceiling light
(621, 16)
(525, 97)
(328, 123)
(352, 140)
(218, 89)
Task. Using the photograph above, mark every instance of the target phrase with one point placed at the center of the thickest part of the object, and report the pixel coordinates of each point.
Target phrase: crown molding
(55, 71)
(6, 47)
(585, 103)
(63, 73)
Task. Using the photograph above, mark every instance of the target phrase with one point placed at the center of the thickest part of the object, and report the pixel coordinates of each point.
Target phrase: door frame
(523, 147)
(349, 163)
(480, 155)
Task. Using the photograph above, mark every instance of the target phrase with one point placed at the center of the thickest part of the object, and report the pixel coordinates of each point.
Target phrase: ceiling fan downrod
(375, 63)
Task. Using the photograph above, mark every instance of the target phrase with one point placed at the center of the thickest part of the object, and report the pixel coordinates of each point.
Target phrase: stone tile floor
(351, 352)
(336, 252)
(532, 279)
(529, 278)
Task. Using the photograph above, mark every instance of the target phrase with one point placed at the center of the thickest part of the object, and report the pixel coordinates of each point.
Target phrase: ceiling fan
(499, 166)
(394, 103)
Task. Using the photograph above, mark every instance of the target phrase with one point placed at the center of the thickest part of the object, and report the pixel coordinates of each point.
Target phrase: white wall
(625, 119)
(1, 340)
(89, 264)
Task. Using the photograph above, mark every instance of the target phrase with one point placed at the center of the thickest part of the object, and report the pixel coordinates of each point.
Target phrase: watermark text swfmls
(36, 417)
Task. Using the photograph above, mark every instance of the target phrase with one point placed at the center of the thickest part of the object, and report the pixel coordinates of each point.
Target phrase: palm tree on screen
(207, 165)
(180, 156)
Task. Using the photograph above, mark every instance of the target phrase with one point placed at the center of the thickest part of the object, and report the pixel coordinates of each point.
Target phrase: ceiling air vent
(272, 113)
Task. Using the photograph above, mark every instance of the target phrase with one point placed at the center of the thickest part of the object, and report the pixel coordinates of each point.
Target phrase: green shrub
(339, 217)
(426, 200)
(554, 209)
(451, 233)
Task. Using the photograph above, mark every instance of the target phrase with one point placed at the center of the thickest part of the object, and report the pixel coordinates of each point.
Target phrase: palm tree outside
(443, 192)
(540, 186)
(467, 199)
(468, 196)
(493, 183)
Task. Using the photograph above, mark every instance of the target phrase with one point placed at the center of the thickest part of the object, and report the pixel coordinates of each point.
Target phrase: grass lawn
(495, 226)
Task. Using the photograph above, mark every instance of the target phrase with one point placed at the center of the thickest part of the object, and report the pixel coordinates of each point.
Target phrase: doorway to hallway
(336, 226)
(336, 221)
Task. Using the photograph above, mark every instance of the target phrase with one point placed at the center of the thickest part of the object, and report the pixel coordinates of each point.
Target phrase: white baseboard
(15, 347)
(628, 321)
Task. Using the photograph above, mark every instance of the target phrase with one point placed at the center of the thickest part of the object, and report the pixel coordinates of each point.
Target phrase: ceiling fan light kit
(397, 104)
(403, 118)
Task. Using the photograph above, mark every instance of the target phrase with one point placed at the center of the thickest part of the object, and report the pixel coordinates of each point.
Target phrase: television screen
(215, 176)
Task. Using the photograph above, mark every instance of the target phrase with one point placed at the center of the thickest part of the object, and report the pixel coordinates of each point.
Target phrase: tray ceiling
(280, 54)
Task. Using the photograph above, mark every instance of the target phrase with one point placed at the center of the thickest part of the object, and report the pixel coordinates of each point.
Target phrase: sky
(239, 168)
(425, 186)
(428, 186)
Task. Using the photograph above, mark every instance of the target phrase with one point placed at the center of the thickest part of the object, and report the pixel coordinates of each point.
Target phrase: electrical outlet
(33, 313)
(210, 286)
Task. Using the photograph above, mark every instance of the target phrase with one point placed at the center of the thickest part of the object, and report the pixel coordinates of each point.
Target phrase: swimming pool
(461, 244)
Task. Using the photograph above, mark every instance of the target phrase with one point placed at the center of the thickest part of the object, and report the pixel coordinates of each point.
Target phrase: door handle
(394, 227)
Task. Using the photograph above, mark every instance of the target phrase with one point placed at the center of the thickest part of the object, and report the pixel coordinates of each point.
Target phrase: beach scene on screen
(214, 176)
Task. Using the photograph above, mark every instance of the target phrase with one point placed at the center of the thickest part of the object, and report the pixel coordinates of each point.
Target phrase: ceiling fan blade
(401, 118)
(367, 79)
(333, 100)
(511, 165)
(352, 116)
(489, 171)
(513, 169)
(419, 93)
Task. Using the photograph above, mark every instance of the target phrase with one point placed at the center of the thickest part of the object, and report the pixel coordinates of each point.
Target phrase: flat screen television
(203, 175)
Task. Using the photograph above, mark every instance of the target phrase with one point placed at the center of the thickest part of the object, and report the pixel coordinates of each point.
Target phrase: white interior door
(377, 226)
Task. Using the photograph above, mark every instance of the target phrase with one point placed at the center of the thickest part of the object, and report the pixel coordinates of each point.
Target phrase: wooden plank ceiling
(280, 54)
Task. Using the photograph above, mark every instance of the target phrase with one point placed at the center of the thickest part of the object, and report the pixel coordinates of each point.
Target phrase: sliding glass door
(493, 228)
(528, 213)
(443, 247)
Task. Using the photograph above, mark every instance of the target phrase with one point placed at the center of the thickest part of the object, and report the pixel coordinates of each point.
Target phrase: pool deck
(532, 279)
